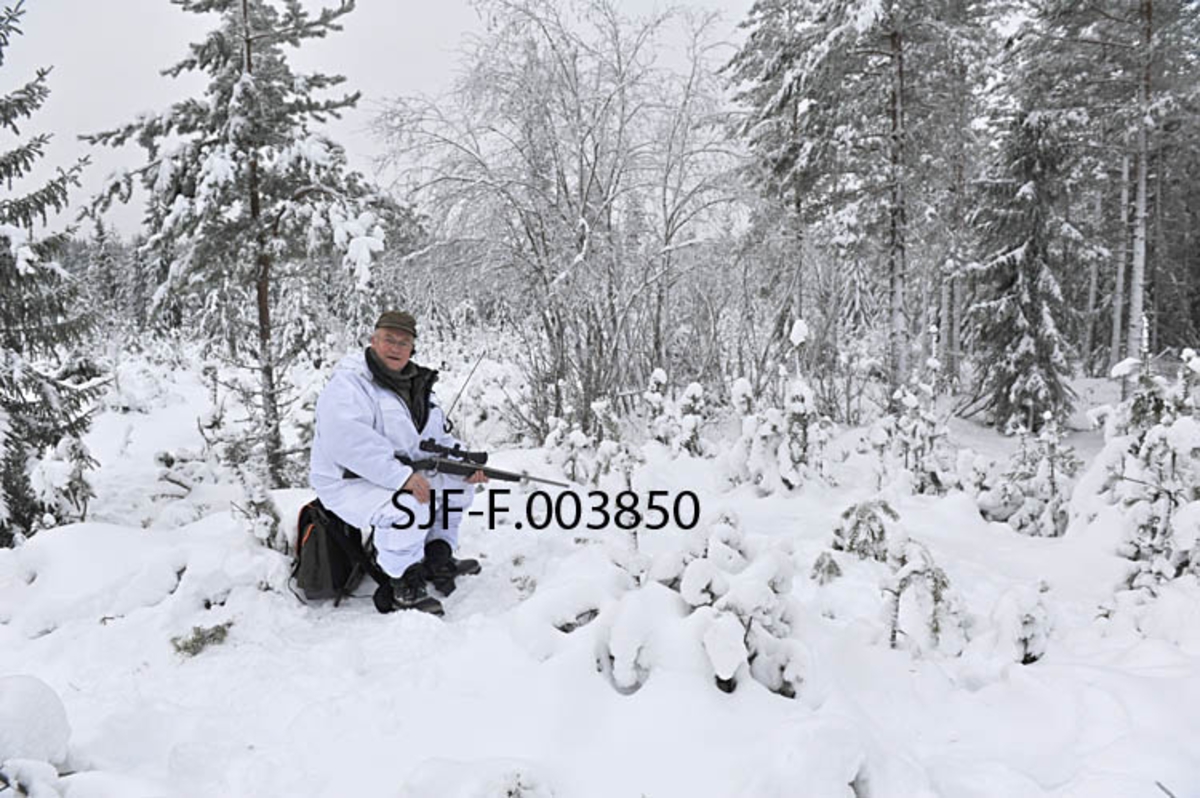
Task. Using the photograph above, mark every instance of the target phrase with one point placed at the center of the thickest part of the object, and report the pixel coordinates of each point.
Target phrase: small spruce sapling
(863, 529)
(1039, 478)
(910, 437)
(914, 572)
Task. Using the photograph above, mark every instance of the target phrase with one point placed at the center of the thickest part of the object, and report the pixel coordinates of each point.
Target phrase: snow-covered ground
(570, 667)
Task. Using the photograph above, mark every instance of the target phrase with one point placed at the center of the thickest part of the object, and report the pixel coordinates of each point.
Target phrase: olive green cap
(397, 320)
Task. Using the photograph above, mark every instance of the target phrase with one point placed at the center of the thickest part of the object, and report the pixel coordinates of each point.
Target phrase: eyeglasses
(396, 343)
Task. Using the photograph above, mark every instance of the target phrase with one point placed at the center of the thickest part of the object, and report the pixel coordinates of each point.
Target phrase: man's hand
(476, 478)
(418, 486)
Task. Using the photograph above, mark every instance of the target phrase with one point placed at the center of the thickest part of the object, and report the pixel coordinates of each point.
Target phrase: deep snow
(499, 700)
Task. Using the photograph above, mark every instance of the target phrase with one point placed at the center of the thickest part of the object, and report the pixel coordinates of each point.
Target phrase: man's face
(394, 347)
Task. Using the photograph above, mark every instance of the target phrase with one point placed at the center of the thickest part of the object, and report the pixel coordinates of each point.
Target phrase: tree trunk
(1137, 276)
(1089, 320)
(1160, 276)
(1114, 349)
(897, 344)
(272, 437)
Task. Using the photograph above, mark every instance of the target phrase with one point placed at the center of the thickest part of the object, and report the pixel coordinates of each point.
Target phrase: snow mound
(97, 573)
(491, 778)
(33, 721)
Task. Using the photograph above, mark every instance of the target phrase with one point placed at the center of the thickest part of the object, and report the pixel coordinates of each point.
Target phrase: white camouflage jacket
(360, 427)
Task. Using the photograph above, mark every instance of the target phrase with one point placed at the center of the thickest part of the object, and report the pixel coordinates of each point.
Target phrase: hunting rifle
(460, 462)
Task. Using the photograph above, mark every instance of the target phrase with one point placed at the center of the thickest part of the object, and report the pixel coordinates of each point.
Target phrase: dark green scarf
(413, 384)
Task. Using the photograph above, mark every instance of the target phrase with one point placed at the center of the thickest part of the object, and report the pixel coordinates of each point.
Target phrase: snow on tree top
(799, 332)
(1125, 367)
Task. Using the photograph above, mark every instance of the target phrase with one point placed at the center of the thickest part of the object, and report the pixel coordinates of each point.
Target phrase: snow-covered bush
(805, 434)
(592, 458)
(863, 529)
(675, 423)
(1033, 493)
(570, 449)
(691, 414)
(908, 441)
(777, 449)
(1151, 467)
(921, 604)
(1024, 623)
(658, 408)
(615, 455)
(244, 456)
(825, 569)
(60, 484)
(735, 593)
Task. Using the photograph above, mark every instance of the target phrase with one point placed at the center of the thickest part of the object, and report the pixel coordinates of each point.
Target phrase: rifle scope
(432, 446)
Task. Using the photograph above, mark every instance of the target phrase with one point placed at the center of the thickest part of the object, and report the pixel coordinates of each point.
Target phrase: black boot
(441, 567)
(407, 593)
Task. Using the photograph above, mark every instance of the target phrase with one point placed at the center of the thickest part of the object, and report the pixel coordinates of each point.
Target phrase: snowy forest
(907, 295)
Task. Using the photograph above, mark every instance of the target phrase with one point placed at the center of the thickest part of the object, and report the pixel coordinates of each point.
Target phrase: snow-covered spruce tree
(103, 269)
(863, 529)
(691, 413)
(240, 186)
(661, 420)
(1022, 356)
(1153, 458)
(920, 604)
(44, 396)
(776, 449)
(734, 591)
(1150, 466)
(805, 434)
(571, 449)
(936, 604)
(614, 454)
(909, 439)
(1033, 493)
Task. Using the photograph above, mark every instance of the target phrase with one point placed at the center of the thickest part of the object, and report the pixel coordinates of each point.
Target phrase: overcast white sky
(107, 55)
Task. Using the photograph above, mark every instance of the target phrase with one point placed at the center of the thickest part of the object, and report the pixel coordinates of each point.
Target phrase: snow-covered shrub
(571, 449)
(1151, 467)
(1024, 623)
(613, 453)
(805, 434)
(1159, 484)
(777, 449)
(908, 441)
(244, 455)
(32, 778)
(136, 386)
(919, 587)
(675, 423)
(863, 529)
(658, 408)
(736, 593)
(825, 569)
(1033, 493)
(919, 602)
(691, 414)
(591, 458)
(60, 482)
